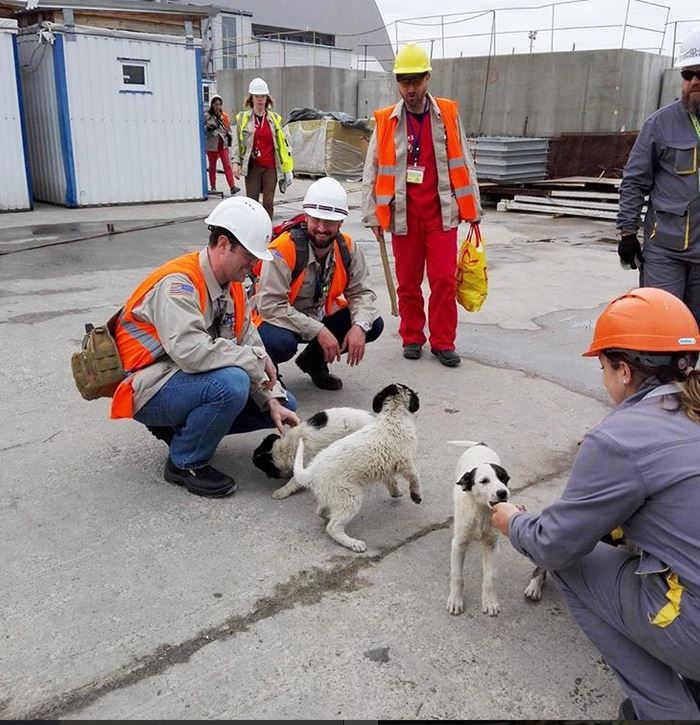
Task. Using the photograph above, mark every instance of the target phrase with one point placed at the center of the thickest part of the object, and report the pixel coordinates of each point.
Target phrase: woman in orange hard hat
(638, 470)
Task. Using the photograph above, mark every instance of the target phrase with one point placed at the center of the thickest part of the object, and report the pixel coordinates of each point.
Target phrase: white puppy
(377, 452)
(481, 481)
(275, 455)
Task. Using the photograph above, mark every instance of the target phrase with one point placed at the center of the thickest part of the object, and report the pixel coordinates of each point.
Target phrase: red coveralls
(425, 245)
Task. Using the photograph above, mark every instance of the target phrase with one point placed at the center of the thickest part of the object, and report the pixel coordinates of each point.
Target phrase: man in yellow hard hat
(419, 183)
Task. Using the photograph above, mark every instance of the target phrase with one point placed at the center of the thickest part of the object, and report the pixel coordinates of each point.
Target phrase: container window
(134, 76)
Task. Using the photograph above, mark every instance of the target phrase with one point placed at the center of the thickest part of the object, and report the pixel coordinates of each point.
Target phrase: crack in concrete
(306, 587)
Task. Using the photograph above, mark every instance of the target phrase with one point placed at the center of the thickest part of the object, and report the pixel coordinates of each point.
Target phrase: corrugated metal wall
(41, 114)
(14, 184)
(127, 146)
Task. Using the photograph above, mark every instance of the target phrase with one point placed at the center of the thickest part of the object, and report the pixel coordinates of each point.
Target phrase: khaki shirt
(304, 316)
(193, 342)
(448, 203)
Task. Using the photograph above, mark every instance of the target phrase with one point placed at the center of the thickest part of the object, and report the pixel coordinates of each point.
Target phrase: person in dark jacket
(639, 469)
(218, 143)
(664, 165)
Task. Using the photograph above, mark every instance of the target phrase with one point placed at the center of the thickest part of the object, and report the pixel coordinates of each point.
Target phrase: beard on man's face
(691, 101)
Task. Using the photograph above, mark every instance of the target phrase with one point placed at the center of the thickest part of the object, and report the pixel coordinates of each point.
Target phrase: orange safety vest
(286, 246)
(138, 342)
(385, 184)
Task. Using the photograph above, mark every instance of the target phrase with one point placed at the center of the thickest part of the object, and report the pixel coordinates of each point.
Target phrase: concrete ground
(122, 596)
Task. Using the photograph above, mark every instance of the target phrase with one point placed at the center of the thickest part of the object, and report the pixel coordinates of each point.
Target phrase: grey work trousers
(677, 272)
(606, 597)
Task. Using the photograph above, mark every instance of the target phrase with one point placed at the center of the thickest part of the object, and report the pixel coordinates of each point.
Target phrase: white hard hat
(690, 50)
(258, 87)
(247, 220)
(326, 199)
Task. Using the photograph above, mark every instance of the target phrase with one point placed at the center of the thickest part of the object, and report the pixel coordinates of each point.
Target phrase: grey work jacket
(304, 316)
(638, 469)
(664, 164)
(196, 342)
(448, 203)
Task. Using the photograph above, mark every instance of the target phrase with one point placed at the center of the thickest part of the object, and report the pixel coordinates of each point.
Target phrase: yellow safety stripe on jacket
(669, 612)
(286, 160)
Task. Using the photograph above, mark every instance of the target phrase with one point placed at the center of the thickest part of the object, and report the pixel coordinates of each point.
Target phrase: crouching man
(196, 367)
(314, 290)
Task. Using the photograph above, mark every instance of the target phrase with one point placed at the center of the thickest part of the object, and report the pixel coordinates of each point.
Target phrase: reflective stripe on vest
(286, 247)
(385, 184)
(138, 342)
(285, 158)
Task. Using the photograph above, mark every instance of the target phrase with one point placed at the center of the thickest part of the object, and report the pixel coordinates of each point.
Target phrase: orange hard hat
(645, 320)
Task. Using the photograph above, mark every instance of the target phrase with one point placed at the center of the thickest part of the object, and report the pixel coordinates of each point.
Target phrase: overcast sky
(514, 21)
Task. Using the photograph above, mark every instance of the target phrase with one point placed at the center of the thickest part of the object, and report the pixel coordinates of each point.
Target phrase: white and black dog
(481, 482)
(378, 452)
(275, 455)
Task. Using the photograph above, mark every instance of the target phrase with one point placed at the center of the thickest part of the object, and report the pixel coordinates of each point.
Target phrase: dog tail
(465, 444)
(299, 470)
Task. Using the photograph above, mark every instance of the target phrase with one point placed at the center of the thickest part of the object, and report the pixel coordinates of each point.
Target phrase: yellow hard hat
(411, 59)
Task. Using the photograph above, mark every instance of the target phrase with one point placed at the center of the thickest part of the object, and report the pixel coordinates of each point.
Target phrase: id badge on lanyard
(414, 172)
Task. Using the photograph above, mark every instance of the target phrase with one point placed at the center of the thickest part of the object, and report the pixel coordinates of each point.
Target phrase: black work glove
(630, 251)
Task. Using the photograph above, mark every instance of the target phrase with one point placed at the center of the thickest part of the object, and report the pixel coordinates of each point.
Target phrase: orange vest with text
(138, 342)
(385, 184)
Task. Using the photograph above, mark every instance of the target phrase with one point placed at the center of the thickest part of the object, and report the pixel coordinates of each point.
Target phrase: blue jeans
(281, 344)
(202, 408)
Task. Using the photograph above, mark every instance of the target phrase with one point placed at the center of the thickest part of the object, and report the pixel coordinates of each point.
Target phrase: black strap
(301, 242)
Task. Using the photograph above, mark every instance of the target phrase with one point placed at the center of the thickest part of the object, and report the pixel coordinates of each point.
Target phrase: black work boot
(311, 362)
(626, 711)
(449, 358)
(203, 481)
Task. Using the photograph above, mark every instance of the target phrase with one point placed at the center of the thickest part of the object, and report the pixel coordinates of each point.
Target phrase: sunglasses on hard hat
(688, 75)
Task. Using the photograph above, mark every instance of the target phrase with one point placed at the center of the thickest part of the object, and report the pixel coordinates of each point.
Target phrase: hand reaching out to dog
(281, 415)
(502, 514)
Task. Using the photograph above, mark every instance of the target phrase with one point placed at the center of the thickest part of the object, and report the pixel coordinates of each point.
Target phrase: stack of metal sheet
(510, 158)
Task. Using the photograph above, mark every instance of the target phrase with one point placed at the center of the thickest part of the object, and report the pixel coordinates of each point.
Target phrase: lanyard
(416, 136)
(258, 120)
(696, 124)
(323, 278)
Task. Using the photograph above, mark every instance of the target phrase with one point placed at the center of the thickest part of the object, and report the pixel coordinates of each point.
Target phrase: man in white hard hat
(262, 153)
(314, 290)
(196, 367)
(419, 183)
(665, 164)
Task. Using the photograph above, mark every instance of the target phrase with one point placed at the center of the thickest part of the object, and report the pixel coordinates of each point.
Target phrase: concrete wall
(670, 86)
(328, 89)
(538, 94)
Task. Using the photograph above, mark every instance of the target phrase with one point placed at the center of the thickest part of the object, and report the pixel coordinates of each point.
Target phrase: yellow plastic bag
(472, 273)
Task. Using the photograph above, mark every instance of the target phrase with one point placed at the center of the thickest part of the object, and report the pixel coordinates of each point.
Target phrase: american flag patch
(181, 289)
(277, 255)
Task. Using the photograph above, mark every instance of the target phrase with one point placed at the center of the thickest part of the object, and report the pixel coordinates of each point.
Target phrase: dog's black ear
(266, 445)
(502, 474)
(413, 403)
(467, 480)
(318, 420)
(382, 395)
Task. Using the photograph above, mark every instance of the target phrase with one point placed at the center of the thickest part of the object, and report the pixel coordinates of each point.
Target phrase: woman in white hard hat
(262, 153)
(218, 142)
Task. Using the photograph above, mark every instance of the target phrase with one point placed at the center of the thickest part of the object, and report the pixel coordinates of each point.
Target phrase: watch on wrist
(364, 326)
